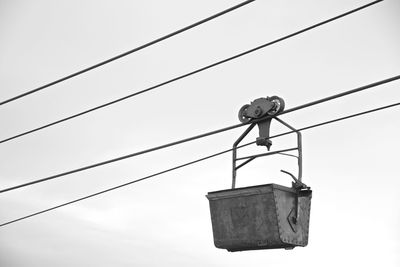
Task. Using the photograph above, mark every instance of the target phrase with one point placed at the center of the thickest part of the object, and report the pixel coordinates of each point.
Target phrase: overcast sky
(352, 166)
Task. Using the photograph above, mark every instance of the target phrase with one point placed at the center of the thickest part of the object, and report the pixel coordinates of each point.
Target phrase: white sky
(352, 166)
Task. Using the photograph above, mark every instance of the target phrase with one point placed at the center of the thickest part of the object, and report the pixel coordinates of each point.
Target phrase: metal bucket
(260, 217)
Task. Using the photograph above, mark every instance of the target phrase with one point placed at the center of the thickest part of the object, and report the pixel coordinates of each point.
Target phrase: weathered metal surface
(260, 217)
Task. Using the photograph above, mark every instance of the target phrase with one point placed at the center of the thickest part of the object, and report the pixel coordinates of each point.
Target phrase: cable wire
(193, 162)
(316, 102)
(127, 53)
(187, 74)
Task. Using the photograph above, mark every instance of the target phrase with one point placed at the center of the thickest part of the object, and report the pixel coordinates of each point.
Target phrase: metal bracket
(298, 185)
(263, 139)
(262, 107)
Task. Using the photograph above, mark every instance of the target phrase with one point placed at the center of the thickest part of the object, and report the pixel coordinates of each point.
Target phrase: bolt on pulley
(262, 107)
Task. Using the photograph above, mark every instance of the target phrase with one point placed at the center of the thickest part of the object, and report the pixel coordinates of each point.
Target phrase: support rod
(234, 152)
(299, 147)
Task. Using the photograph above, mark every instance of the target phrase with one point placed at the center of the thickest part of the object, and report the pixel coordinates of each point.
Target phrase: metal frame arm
(252, 157)
(234, 152)
(299, 148)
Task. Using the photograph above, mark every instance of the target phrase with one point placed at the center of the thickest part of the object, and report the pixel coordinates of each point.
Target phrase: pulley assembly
(263, 216)
(264, 107)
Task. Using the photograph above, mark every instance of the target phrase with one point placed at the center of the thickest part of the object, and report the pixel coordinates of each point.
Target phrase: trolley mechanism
(264, 216)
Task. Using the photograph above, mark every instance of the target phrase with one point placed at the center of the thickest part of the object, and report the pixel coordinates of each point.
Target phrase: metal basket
(260, 217)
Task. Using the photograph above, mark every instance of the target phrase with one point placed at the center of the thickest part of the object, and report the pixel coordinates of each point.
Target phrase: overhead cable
(191, 163)
(329, 98)
(127, 53)
(187, 74)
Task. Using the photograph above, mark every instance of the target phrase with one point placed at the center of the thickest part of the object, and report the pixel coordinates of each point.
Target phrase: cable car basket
(264, 216)
(260, 217)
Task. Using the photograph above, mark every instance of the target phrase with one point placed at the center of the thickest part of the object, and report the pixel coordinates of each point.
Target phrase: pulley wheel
(279, 105)
(242, 114)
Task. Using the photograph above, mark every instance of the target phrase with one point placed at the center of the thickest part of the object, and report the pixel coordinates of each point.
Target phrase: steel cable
(191, 163)
(187, 74)
(329, 98)
(127, 53)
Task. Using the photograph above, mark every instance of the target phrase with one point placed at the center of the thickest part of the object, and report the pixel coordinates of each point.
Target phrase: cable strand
(193, 162)
(128, 52)
(316, 102)
(187, 74)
